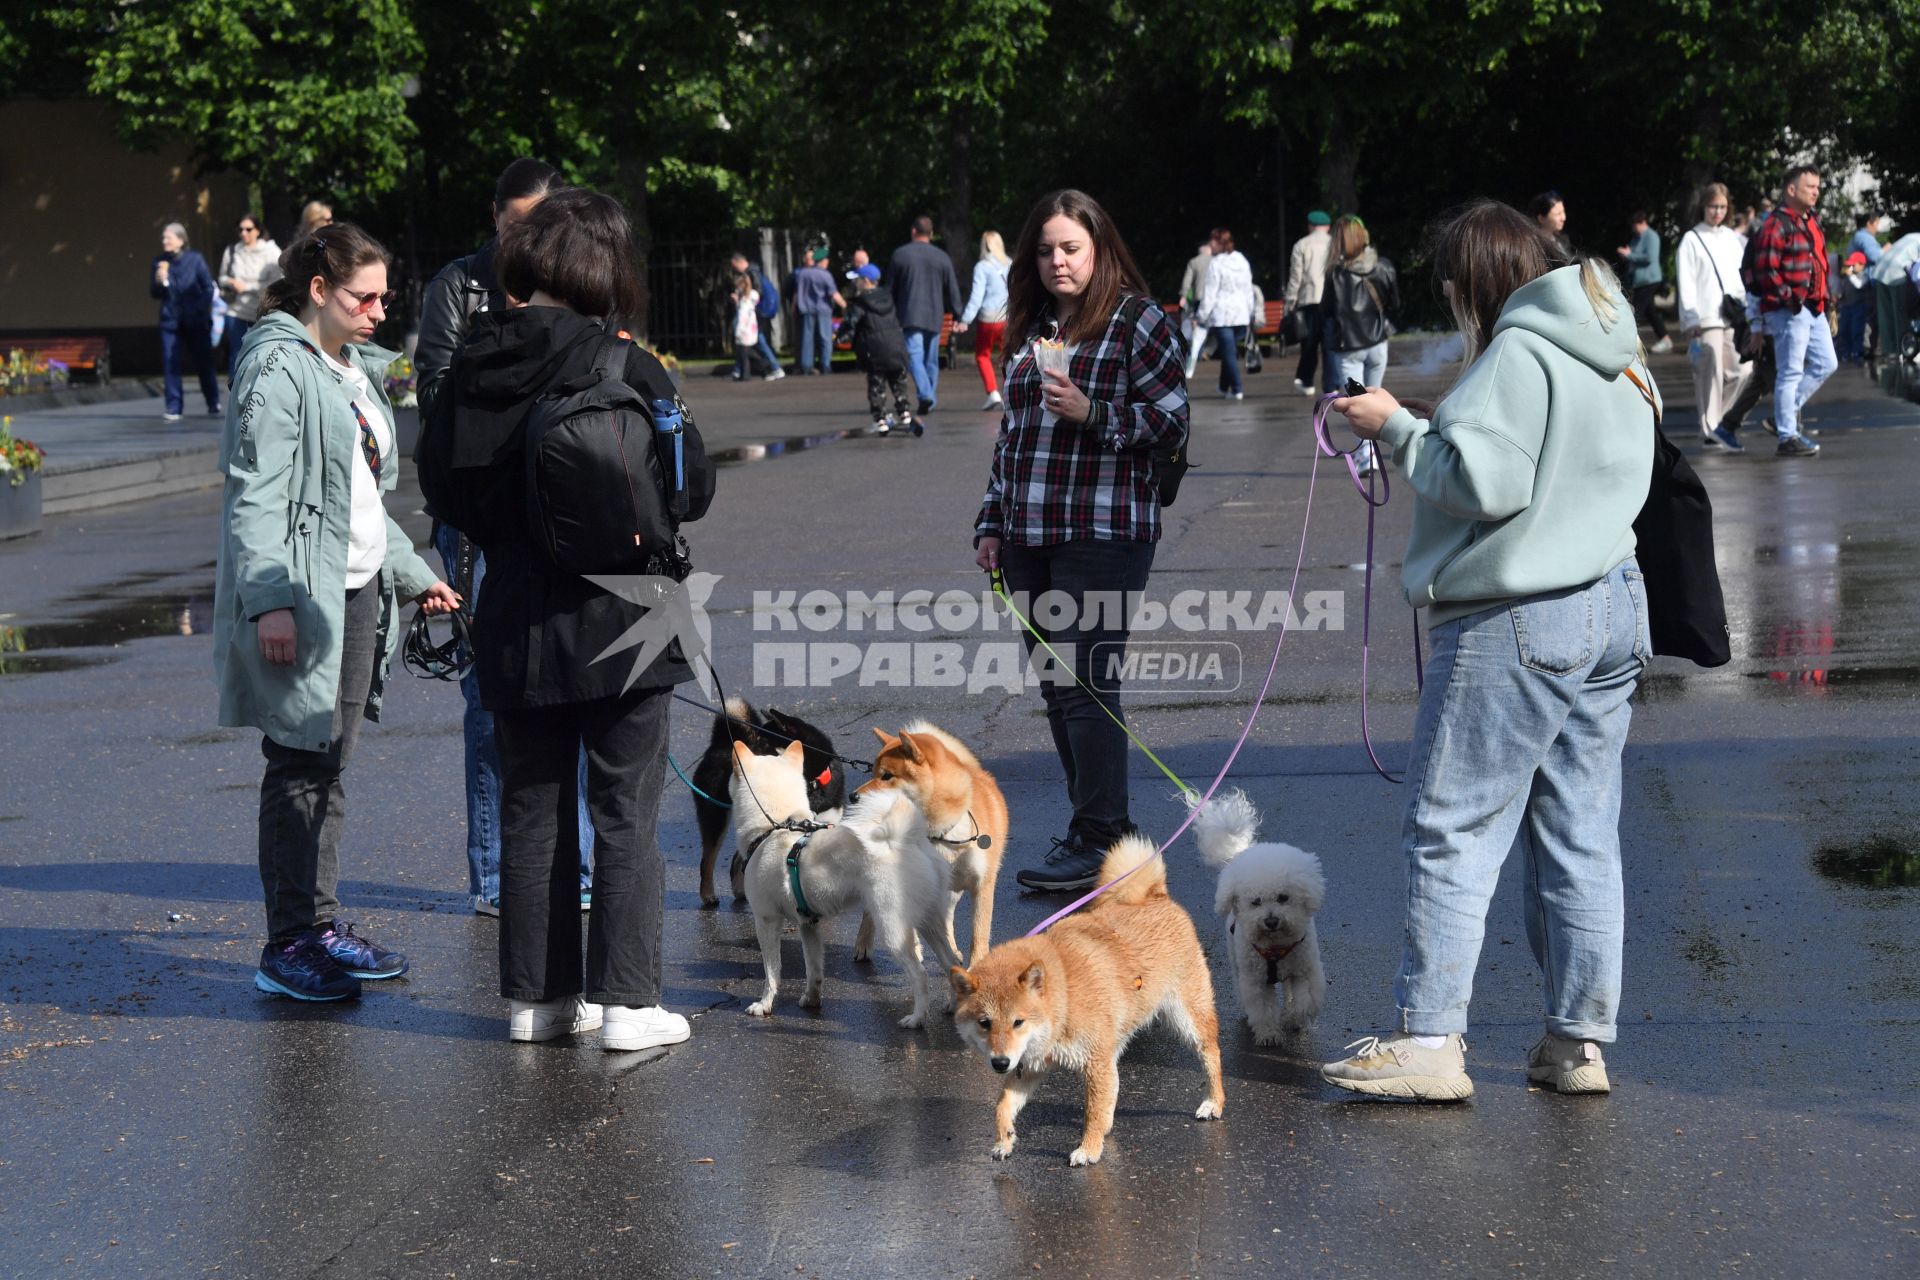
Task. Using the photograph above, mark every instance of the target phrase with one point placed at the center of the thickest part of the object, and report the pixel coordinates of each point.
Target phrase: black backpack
(600, 499)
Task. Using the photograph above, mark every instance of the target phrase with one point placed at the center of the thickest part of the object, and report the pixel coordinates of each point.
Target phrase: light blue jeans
(1517, 744)
(1368, 364)
(483, 757)
(816, 340)
(923, 361)
(1802, 360)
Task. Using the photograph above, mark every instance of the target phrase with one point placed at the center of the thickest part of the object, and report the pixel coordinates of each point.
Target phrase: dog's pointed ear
(911, 747)
(740, 752)
(1034, 978)
(796, 751)
(963, 983)
(885, 740)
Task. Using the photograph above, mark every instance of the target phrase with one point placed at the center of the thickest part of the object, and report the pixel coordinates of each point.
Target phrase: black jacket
(871, 326)
(1358, 300)
(465, 287)
(540, 630)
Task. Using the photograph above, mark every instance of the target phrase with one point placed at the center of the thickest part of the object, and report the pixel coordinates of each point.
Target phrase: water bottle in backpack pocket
(600, 498)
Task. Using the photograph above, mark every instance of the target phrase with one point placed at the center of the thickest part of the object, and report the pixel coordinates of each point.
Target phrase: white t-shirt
(367, 534)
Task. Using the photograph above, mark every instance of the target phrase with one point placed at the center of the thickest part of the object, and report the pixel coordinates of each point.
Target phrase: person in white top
(1226, 308)
(1306, 281)
(1708, 267)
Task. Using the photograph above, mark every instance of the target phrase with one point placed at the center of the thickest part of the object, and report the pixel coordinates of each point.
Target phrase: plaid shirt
(1056, 481)
(1786, 265)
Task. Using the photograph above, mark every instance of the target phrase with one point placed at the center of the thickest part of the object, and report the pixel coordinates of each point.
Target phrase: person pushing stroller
(880, 348)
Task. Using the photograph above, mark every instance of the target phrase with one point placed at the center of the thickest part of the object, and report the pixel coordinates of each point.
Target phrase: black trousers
(302, 800)
(1092, 748)
(1645, 312)
(881, 385)
(625, 740)
(1759, 386)
(1310, 345)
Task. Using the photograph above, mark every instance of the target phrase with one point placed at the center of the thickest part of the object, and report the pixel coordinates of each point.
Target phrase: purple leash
(1323, 445)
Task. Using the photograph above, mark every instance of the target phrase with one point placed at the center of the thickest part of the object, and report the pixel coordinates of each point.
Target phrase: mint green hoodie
(1535, 464)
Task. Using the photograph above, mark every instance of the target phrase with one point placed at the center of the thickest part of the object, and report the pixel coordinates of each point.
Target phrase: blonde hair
(991, 246)
(1350, 237)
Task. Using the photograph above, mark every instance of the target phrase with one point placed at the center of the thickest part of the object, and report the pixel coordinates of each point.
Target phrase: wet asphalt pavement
(160, 1117)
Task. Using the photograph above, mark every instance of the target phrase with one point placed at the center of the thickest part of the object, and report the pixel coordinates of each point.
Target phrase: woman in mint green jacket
(1526, 482)
(312, 573)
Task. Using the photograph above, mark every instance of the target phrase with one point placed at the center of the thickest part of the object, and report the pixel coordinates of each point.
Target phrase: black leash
(720, 713)
(449, 660)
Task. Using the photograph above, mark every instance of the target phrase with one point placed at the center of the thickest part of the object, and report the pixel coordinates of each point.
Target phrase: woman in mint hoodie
(1526, 482)
(312, 574)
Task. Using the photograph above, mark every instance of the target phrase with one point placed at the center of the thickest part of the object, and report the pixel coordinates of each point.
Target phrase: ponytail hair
(333, 252)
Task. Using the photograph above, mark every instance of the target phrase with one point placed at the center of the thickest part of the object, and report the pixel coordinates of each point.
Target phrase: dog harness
(806, 828)
(1273, 959)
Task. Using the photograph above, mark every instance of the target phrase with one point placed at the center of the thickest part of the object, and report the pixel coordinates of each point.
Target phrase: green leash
(1000, 589)
(718, 804)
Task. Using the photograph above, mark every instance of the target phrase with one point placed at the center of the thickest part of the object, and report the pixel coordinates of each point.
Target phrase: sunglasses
(364, 302)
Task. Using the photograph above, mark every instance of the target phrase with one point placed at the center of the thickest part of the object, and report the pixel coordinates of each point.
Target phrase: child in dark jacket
(880, 348)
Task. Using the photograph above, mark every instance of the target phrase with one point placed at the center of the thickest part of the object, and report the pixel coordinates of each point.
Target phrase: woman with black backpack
(547, 641)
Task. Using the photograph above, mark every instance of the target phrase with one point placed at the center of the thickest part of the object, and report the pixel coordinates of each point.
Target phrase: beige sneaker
(1568, 1066)
(1398, 1066)
(535, 1022)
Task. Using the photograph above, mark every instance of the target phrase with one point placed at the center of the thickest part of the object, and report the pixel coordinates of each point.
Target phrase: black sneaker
(359, 958)
(1070, 868)
(303, 970)
(1796, 447)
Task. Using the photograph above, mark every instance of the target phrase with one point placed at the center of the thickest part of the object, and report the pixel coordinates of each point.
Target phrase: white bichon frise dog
(1268, 894)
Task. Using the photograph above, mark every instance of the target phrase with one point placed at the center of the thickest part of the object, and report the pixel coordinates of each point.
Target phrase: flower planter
(19, 506)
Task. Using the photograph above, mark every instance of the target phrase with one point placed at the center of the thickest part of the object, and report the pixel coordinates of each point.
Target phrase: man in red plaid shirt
(1786, 276)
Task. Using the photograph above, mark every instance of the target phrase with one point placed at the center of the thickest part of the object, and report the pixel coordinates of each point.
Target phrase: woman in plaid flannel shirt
(1072, 505)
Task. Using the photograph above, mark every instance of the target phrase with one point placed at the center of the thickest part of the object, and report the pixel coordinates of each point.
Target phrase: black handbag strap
(1717, 277)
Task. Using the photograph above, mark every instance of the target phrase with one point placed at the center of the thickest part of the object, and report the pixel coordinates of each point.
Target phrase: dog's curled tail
(1150, 881)
(1226, 826)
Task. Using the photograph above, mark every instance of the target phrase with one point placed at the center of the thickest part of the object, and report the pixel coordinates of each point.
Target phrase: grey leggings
(302, 801)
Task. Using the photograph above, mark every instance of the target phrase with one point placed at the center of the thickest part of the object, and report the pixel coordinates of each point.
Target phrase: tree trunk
(634, 170)
(956, 211)
(1339, 165)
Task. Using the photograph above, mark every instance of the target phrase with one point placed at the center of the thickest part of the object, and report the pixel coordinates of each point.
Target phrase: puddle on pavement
(36, 648)
(37, 664)
(1878, 862)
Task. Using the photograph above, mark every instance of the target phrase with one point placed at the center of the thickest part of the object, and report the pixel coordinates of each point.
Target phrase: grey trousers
(302, 801)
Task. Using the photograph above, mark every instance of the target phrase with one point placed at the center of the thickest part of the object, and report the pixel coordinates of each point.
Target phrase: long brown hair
(333, 251)
(1113, 270)
(1487, 250)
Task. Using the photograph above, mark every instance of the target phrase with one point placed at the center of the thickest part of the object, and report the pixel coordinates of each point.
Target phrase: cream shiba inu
(877, 857)
(1074, 996)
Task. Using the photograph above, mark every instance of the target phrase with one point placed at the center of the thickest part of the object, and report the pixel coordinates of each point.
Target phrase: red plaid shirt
(1057, 481)
(1786, 265)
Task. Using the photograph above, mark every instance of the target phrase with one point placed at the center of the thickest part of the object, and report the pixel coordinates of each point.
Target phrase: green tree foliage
(302, 96)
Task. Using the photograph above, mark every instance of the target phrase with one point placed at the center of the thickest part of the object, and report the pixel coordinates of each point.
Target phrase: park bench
(80, 355)
(946, 341)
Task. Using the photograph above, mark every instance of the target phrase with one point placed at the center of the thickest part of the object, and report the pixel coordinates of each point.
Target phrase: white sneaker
(993, 402)
(776, 375)
(537, 1021)
(1661, 347)
(1568, 1066)
(628, 1028)
(169, 417)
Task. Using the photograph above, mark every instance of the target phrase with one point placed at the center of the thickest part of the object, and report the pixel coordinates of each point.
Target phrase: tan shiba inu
(1074, 996)
(966, 817)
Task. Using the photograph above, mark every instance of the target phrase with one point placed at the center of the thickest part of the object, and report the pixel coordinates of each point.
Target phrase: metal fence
(688, 287)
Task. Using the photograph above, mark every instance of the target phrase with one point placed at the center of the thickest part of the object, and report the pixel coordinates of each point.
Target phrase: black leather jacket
(465, 287)
(1357, 301)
